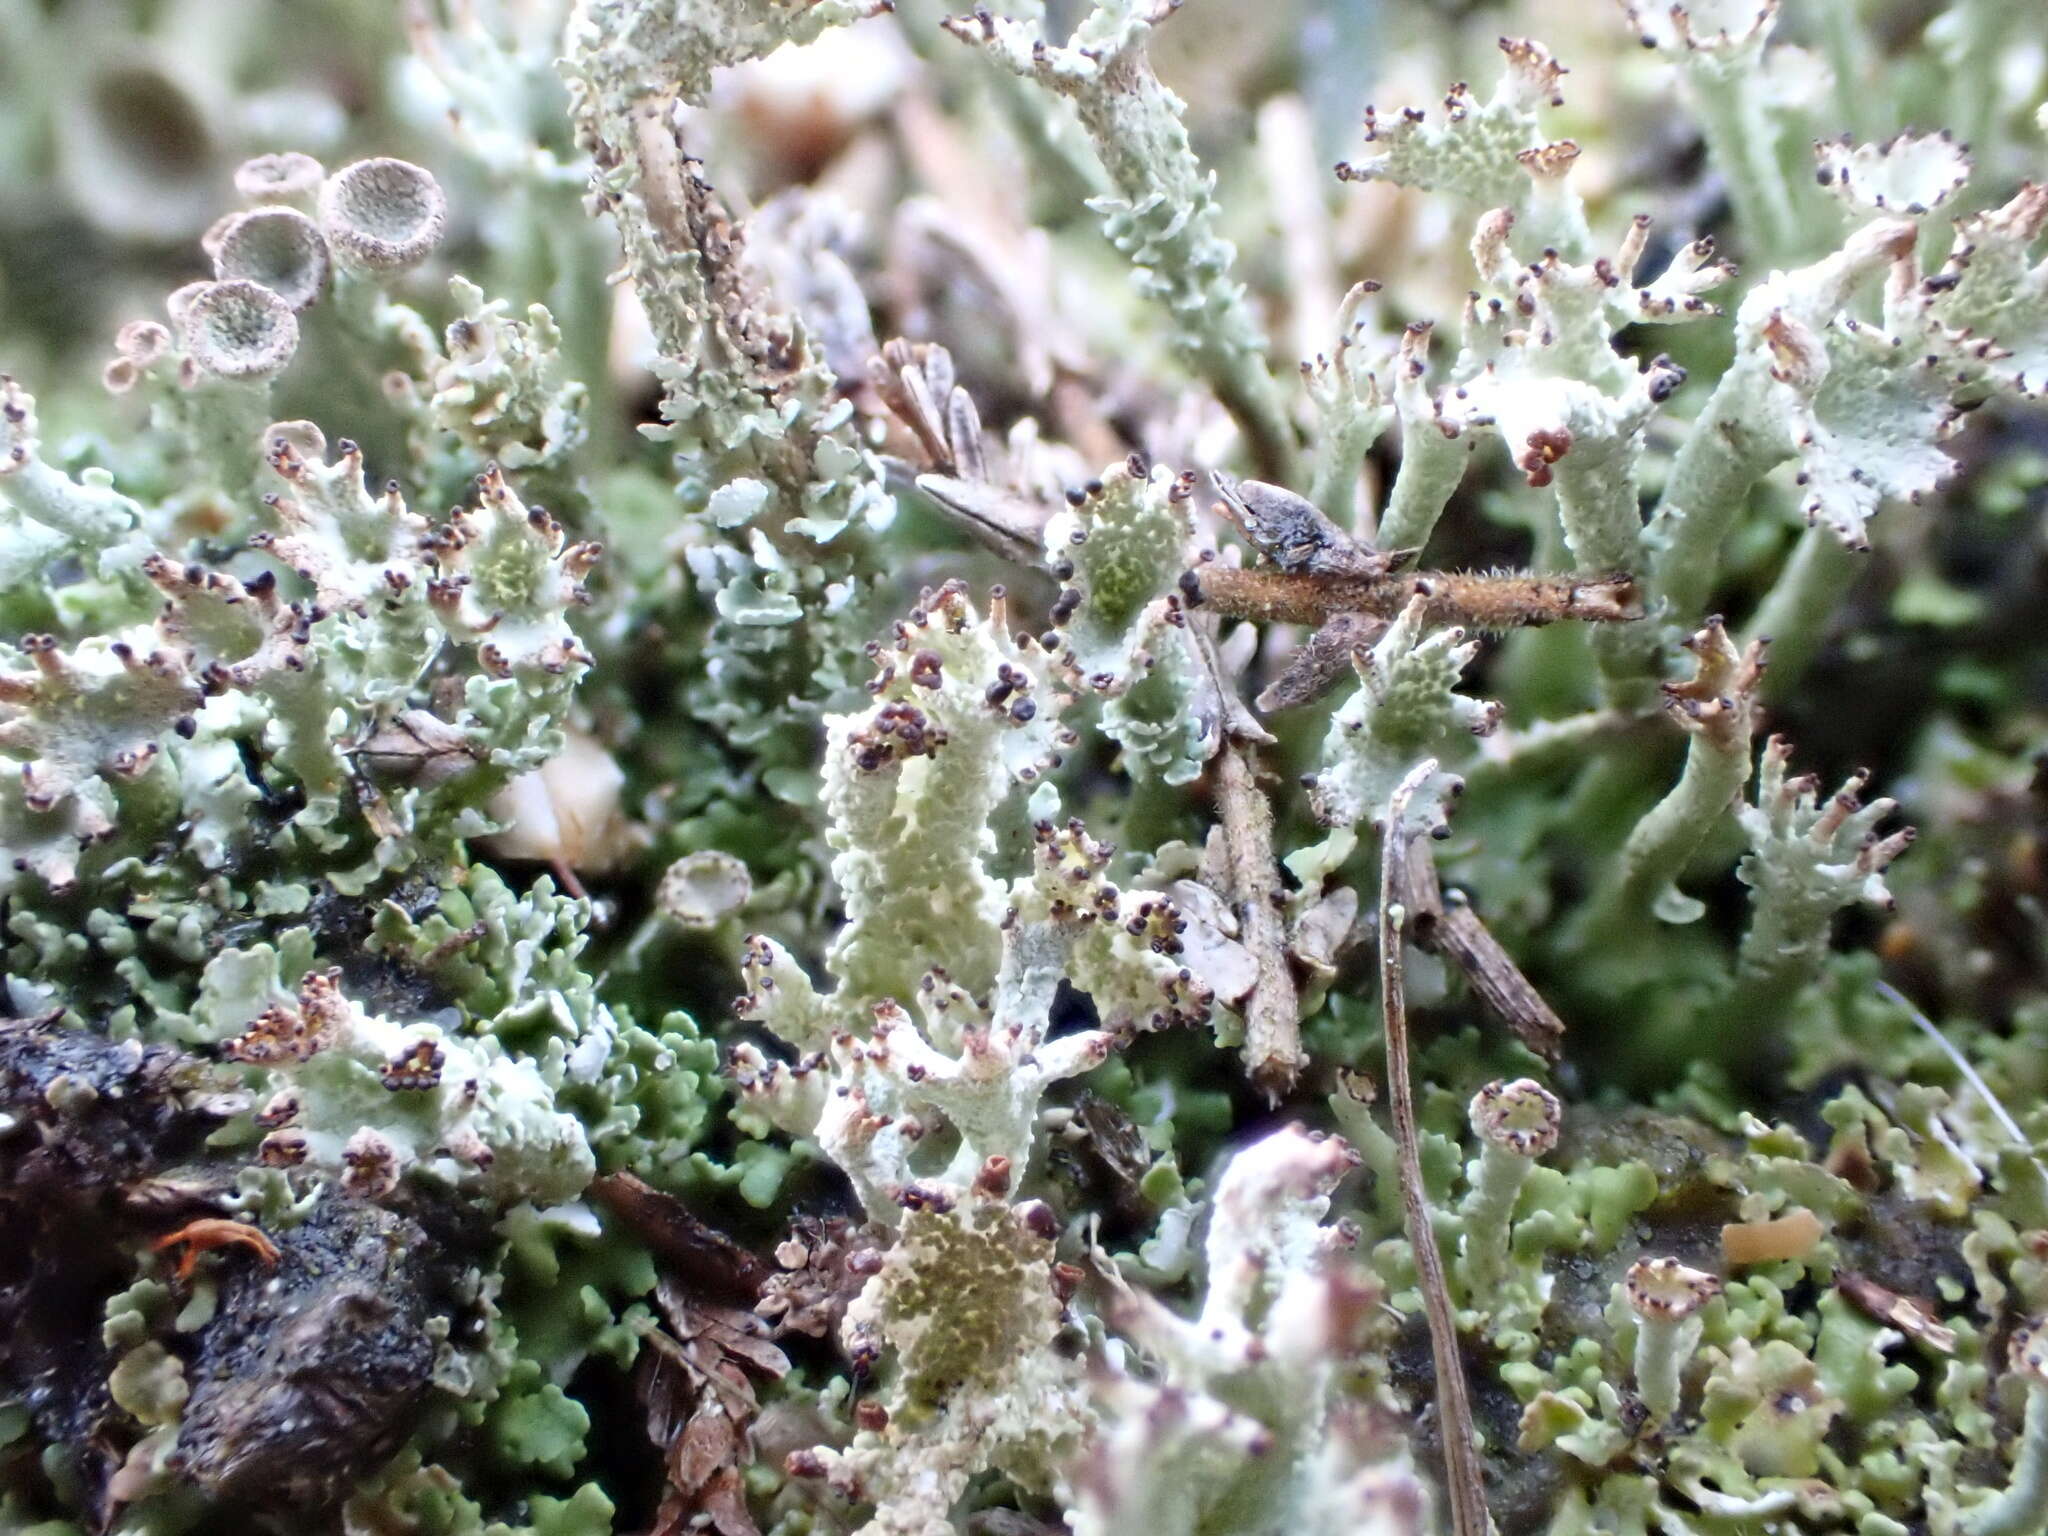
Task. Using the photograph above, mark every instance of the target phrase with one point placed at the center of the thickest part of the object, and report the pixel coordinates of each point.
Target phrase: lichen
(716, 801)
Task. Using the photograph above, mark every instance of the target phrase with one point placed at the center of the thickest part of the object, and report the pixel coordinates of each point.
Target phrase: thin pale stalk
(1710, 482)
(1431, 467)
(1743, 144)
(1333, 478)
(1795, 614)
(1716, 709)
(1548, 745)
(1672, 830)
(1846, 42)
(2023, 1506)
(1971, 37)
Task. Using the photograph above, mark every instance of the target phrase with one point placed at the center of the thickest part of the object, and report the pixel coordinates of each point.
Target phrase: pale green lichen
(1516, 1124)
(964, 1303)
(381, 812)
(1164, 217)
(1490, 154)
(1716, 710)
(1809, 858)
(1253, 1423)
(1121, 623)
(1406, 707)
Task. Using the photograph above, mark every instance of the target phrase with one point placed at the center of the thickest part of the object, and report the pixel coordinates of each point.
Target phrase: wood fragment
(1321, 660)
(717, 1266)
(915, 380)
(1911, 1317)
(1272, 1014)
(1462, 1472)
(1462, 938)
(1416, 888)
(1011, 525)
(1445, 925)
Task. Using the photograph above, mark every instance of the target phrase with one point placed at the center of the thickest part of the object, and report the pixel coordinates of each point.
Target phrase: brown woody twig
(1469, 1515)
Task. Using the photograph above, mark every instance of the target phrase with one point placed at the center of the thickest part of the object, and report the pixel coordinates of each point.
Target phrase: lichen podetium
(822, 769)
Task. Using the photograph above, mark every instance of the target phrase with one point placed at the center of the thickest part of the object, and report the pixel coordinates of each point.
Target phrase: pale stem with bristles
(1673, 829)
(228, 419)
(1663, 1346)
(1135, 123)
(242, 335)
(1333, 481)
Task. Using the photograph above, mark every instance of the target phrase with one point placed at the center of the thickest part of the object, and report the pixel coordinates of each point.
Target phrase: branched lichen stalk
(1720, 53)
(1715, 709)
(740, 386)
(1808, 381)
(1810, 856)
(1352, 409)
(1432, 457)
(1165, 214)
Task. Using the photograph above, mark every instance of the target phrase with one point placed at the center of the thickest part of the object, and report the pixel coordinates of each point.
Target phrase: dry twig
(1469, 1516)
(1448, 927)
(1320, 575)
(1272, 1014)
